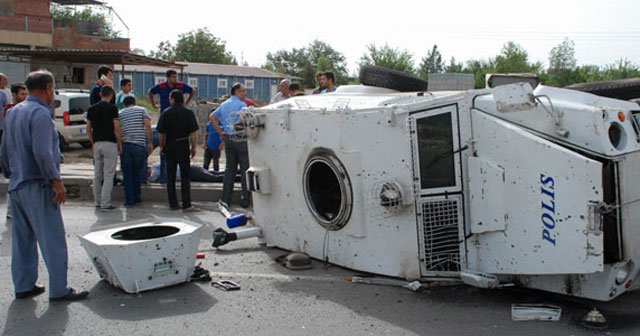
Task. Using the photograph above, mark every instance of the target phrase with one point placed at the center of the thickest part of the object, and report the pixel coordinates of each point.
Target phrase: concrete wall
(451, 82)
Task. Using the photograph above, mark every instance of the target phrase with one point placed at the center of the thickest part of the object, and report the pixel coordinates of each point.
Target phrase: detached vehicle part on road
(536, 186)
(70, 114)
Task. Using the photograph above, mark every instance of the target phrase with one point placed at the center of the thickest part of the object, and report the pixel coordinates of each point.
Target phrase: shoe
(97, 206)
(129, 205)
(9, 216)
(109, 208)
(244, 203)
(71, 296)
(191, 209)
(174, 207)
(36, 290)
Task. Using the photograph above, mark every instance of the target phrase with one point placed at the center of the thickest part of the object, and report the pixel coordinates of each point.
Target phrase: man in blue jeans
(30, 158)
(135, 125)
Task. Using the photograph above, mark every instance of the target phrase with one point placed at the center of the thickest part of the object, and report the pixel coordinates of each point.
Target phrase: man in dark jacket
(177, 127)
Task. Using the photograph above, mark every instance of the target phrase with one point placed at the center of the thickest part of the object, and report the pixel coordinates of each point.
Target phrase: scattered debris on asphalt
(535, 312)
(411, 285)
(200, 274)
(295, 261)
(594, 320)
(226, 285)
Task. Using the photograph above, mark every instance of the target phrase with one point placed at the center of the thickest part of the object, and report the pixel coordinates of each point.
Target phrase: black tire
(623, 89)
(85, 144)
(391, 79)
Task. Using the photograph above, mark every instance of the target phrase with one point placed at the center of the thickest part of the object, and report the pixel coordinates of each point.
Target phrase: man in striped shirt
(135, 125)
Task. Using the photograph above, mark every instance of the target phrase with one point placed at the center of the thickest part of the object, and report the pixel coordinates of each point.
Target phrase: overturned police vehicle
(517, 184)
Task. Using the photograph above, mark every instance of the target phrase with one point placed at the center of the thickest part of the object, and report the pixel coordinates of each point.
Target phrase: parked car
(71, 111)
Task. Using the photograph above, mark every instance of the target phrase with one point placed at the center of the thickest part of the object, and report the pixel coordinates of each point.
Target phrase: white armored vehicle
(519, 183)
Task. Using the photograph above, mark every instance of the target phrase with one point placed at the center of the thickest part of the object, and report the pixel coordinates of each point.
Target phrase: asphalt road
(274, 300)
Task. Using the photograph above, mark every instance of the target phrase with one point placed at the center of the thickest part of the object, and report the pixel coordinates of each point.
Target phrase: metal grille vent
(440, 220)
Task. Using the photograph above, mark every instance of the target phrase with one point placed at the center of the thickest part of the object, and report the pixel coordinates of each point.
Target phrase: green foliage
(479, 69)
(388, 57)
(203, 47)
(432, 63)
(514, 59)
(164, 51)
(454, 66)
(621, 69)
(65, 16)
(198, 45)
(562, 64)
(305, 62)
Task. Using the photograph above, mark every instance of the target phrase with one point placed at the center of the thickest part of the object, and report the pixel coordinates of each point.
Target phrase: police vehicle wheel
(624, 89)
(391, 79)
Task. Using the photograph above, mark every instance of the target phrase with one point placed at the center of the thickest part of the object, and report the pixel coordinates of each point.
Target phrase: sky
(604, 31)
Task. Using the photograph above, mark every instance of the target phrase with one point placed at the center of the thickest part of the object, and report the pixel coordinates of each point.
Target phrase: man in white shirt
(284, 91)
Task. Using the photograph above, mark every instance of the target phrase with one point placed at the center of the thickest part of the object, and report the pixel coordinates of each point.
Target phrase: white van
(71, 111)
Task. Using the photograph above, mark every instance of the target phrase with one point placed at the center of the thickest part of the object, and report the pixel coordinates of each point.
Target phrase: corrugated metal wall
(207, 85)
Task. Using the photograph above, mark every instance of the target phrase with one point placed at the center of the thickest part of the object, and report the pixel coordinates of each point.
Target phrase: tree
(432, 63)
(388, 57)
(621, 69)
(93, 21)
(562, 63)
(164, 50)
(513, 59)
(479, 69)
(202, 46)
(305, 62)
(325, 58)
(453, 67)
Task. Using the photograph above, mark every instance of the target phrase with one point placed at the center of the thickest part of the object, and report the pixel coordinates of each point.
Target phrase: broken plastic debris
(413, 285)
(535, 312)
(594, 320)
(479, 279)
(295, 261)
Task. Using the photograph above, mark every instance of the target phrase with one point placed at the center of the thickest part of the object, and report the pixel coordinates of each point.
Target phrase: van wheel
(63, 144)
(391, 79)
(85, 144)
(624, 89)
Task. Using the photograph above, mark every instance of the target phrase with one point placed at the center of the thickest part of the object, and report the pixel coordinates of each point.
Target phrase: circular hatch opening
(145, 232)
(327, 190)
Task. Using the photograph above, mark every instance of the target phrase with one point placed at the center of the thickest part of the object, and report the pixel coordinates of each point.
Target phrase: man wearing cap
(284, 91)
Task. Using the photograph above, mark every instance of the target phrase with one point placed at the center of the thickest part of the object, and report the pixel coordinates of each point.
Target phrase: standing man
(284, 91)
(105, 77)
(5, 99)
(326, 82)
(319, 88)
(125, 91)
(18, 94)
(177, 127)
(163, 90)
(31, 160)
(137, 145)
(212, 146)
(235, 145)
(103, 130)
